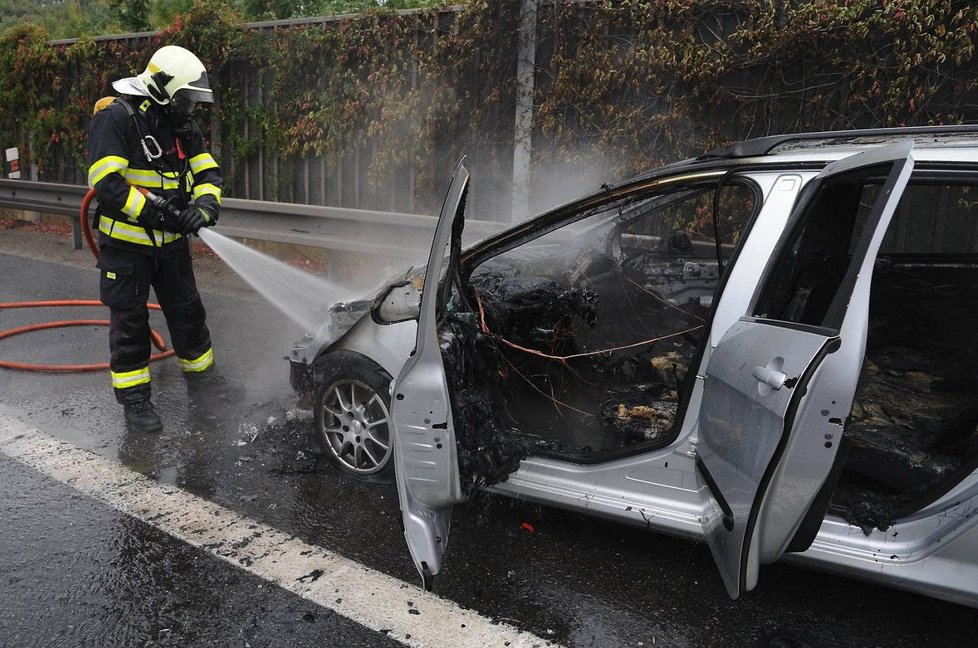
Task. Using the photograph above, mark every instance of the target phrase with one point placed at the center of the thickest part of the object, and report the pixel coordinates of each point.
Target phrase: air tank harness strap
(153, 158)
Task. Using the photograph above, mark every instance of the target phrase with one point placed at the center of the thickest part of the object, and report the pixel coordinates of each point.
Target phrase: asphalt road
(77, 570)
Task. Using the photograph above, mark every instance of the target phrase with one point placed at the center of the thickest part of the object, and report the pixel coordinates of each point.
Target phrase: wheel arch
(339, 357)
(387, 346)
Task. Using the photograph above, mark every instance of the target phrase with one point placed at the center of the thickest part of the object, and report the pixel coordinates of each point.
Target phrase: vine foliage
(632, 83)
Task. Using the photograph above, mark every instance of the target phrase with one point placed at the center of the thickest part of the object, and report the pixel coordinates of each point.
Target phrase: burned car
(770, 348)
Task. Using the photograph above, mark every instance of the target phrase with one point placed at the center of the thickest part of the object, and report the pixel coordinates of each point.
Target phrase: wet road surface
(79, 573)
(574, 581)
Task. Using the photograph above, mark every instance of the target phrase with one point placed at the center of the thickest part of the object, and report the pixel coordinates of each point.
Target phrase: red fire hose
(155, 337)
(86, 228)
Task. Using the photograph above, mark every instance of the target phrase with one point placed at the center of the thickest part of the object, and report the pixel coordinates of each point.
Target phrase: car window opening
(811, 267)
(577, 344)
(914, 423)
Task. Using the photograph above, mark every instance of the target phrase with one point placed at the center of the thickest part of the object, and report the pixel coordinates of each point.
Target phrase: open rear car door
(425, 456)
(780, 384)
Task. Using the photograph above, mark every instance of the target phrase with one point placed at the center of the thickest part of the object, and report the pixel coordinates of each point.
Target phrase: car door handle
(771, 377)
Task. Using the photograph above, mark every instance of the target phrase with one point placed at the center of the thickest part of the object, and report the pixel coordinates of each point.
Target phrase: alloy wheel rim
(355, 424)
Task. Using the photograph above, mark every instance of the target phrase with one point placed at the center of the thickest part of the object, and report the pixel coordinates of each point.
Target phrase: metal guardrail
(387, 234)
(45, 197)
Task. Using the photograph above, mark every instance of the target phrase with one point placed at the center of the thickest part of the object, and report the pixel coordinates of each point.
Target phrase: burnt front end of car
(340, 317)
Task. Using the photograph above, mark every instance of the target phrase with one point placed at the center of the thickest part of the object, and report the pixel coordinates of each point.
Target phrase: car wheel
(352, 416)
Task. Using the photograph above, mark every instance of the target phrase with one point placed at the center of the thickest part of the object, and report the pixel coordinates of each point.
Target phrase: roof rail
(764, 145)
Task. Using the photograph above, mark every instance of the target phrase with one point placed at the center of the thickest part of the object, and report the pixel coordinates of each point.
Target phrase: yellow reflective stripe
(134, 204)
(124, 379)
(207, 189)
(198, 364)
(150, 179)
(133, 233)
(104, 166)
(114, 229)
(202, 162)
(151, 174)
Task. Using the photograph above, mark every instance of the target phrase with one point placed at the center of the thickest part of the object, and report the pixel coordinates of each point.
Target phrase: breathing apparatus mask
(180, 112)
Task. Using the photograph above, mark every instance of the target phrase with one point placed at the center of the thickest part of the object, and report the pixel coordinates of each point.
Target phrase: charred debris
(545, 363)
(913, 429)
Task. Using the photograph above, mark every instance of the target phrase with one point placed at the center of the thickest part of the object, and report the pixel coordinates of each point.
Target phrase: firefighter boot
(141, 416)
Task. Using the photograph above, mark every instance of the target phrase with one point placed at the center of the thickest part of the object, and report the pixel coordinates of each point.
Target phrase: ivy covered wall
(374, 111)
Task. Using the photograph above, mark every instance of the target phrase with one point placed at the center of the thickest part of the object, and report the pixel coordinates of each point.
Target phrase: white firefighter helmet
(171, 69)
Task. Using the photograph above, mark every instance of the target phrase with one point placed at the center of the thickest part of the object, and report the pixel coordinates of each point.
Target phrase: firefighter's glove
(209, 216)
(191, 219)
(155, 219)
(151, 218)
(163, 215)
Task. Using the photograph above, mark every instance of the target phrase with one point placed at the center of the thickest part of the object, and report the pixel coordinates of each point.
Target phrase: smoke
(555, 182)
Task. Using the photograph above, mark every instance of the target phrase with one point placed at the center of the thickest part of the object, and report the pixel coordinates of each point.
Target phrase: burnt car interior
(913, 429)
(577, 344)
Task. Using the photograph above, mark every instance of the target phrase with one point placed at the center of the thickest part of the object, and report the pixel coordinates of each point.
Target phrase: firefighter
(147, 139)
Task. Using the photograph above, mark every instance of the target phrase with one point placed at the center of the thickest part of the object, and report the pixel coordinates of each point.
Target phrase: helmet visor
(199, 90)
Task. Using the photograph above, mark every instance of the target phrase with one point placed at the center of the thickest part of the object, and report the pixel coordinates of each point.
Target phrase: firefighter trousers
(126, 277)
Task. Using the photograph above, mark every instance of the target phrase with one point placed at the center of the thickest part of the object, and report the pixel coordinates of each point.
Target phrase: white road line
(369, 597)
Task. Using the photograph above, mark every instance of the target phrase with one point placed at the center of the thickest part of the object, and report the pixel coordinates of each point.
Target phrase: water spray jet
(294, 292)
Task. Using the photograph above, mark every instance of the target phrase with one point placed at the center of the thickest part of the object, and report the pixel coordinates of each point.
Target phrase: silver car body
(934, 551)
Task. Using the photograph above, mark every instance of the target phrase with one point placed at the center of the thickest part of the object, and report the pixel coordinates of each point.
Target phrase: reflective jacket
(118, 163)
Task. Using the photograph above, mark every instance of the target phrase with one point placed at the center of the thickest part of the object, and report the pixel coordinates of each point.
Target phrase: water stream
(294, 292)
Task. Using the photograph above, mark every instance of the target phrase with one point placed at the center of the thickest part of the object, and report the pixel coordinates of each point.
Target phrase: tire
(351, 405)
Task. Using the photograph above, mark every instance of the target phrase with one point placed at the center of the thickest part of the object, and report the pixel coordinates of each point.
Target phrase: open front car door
(425, 456)
(780, 384)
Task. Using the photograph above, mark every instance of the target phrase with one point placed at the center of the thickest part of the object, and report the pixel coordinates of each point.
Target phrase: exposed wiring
(564, 359)
(541, 392)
